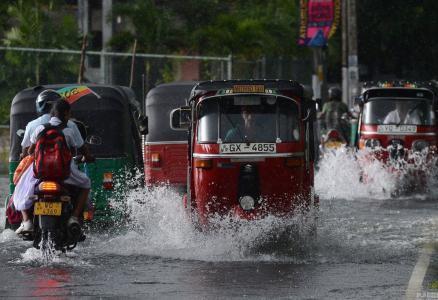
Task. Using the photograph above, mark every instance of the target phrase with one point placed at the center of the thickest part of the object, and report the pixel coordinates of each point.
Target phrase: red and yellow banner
(319, 21)
(74, 93)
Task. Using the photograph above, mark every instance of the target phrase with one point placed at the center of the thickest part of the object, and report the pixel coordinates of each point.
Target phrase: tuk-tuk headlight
(419, 145)
(247, 202)
(372, 143)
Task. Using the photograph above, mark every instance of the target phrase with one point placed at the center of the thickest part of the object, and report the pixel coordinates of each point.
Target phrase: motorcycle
(53, 208)
(331, 141)
(54, 203)
(335, 138)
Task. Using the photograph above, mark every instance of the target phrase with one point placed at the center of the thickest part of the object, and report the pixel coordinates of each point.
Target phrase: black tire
(7, 225)
(11, 226)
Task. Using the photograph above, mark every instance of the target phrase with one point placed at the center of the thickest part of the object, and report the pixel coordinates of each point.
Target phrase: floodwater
(366, 248)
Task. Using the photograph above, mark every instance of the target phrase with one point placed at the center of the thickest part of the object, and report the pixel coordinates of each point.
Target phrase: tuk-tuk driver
(403, 114)
(251, 130)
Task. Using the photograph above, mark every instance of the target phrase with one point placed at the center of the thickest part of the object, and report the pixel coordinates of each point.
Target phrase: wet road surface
(366, 248)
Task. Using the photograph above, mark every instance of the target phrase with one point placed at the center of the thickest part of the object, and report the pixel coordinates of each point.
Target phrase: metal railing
(228, 59)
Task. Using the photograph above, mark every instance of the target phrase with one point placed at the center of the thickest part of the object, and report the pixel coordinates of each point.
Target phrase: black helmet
(45, 100)
(334, 93)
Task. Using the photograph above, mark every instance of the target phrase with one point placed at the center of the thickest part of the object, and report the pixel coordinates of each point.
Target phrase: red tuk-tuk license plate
(396, 129)
(248, 148)
(47, 209)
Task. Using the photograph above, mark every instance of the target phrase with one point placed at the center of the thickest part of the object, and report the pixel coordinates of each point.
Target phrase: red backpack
(52, 155)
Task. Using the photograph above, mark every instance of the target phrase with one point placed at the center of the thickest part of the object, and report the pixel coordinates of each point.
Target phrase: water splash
(37, 258)
(351, 175)
(2, 218)
(368, 229)
(159, 226)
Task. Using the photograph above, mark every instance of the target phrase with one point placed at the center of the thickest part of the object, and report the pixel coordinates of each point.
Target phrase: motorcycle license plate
(47, 208)
(248, 148)
(333, 145)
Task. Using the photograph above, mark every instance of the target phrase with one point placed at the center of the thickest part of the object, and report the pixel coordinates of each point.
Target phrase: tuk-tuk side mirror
(309, 110)
(20, 133)
(180, 118)
(143, 124)
(358, 100)
(93, 140)
(318, 104)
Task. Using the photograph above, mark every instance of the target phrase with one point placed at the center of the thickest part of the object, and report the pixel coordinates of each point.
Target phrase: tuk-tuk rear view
(165, 150)
(251, 150)
(106, 115)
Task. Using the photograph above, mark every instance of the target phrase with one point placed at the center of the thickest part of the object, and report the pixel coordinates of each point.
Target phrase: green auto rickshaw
(107, 116)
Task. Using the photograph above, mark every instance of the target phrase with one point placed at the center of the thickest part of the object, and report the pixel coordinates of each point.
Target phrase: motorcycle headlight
(372, 143)
(247, 202)
(419, 145)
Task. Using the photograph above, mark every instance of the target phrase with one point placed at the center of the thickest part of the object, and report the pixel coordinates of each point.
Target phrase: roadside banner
(74, 93)
(319, 21)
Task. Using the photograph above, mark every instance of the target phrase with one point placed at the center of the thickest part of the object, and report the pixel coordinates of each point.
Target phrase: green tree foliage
(36, 24)
(398, 38)
(249, 30)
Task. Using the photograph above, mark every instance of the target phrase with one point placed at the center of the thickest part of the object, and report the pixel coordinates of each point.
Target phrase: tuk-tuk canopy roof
(399, 88)
(159, 102)
(284, 87)
(24, 101)
(110, 116)
(398, 92)
(175, 93)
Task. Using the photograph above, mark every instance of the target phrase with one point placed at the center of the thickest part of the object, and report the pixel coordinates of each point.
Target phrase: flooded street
(366, 248)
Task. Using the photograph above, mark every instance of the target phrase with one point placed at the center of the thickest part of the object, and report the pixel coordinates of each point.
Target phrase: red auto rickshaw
(165, 150)
(397, 124)
(251, 150)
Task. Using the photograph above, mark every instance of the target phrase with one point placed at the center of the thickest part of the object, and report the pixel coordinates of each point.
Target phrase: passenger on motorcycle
(25, 187)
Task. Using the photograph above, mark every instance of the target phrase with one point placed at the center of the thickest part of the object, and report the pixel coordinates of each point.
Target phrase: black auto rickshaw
(165, 150)
(109, 114)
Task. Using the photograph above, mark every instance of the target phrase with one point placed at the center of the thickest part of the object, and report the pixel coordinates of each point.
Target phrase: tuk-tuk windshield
(248, 118)
(398, 111)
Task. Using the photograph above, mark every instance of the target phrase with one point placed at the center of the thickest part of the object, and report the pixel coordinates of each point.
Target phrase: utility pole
(82, 62)
(319, 82)
(350, 65)
(317, 72)
(344, 25)
(353, 66)
(107, 33)
(134, 50)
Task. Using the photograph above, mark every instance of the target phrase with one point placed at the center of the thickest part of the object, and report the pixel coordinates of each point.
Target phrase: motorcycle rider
(25, 186)
(43, 105)
(333, 110)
